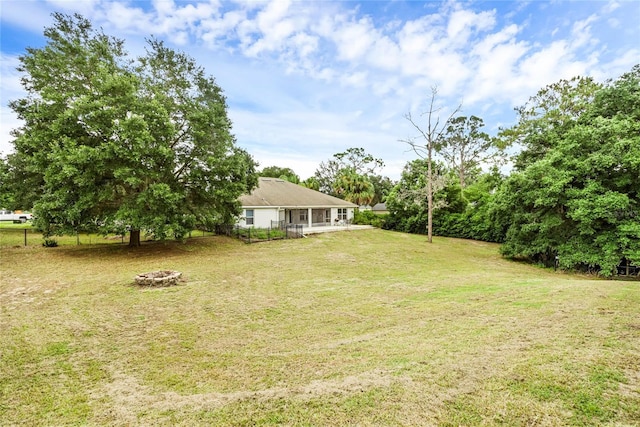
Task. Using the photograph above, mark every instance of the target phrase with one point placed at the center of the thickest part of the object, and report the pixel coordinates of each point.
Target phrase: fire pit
(158, 278)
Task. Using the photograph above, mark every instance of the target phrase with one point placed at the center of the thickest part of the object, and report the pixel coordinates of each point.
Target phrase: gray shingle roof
(279, 193)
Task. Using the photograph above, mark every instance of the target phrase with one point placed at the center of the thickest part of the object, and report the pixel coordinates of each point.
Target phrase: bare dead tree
(426, 142)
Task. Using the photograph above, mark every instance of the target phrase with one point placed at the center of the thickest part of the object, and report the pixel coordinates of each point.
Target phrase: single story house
(276, 201)
(380, 208)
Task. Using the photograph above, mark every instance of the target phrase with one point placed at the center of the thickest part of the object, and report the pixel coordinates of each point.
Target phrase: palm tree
(354, 188)
(312, 183)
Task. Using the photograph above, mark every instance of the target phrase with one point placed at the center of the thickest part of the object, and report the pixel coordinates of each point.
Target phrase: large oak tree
(111, 142)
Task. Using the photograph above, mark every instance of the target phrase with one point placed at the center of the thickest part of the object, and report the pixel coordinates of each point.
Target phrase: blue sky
(307, 79)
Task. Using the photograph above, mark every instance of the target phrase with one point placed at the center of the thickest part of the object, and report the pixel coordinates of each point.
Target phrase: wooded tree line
(573, 193)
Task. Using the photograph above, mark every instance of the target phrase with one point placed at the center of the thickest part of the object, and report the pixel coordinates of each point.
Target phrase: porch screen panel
(318, 216)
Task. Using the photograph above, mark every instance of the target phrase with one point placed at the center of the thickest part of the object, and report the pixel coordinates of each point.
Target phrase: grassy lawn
(351, 328)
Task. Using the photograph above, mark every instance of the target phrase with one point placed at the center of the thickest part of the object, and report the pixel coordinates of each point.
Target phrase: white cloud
(550, 64)
(24, 14)
(391, 86)
(622, 63)
(271, 28)
(385, 54)
(83, 7)
(129, 19)
(462, 22)
(611, 6)
(496, 62)
(613, 23)
(305, 44)
(358, 79)
(416, 36)
(353, 39)
(484, 47)
(581, 33)
(296, 71)
(273, 14)
(221, 27)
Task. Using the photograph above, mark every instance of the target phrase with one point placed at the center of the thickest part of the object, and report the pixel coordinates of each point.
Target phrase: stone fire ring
(158, 278)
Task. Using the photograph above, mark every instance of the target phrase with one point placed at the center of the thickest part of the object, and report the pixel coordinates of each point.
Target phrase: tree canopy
(286, 174)
(354, 159)
(579, 199)
(7, 200)
(407, 202)
(354, 187)
(544, 118)
(311, 183)
(111, 142)
(465, 147)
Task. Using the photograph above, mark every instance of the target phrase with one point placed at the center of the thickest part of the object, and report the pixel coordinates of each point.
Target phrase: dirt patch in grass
(130, 398)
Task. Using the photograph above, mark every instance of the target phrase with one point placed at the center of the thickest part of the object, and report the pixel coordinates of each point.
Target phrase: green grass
(353, 328)
(15, 235)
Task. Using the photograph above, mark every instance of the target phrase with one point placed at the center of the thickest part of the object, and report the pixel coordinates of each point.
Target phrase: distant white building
(282, 202)
(380, 208)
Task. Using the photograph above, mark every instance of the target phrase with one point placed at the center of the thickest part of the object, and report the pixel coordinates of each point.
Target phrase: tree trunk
(134, 238)
(429, 198)
(461, 170)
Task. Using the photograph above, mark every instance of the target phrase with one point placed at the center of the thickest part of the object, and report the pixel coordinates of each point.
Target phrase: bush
(369, 218)
(50, 243)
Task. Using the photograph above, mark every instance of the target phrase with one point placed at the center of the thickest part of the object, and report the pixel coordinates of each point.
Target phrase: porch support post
(309, 217)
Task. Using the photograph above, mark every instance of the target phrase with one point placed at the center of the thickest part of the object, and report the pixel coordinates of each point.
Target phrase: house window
(304, 216)
(342, 214)
(249, 216)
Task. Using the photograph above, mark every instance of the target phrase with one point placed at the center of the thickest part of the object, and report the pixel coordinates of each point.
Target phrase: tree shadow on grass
(148, 249)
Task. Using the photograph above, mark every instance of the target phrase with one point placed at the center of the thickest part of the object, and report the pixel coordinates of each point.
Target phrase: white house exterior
(279, 201)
